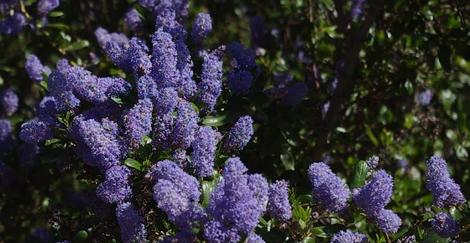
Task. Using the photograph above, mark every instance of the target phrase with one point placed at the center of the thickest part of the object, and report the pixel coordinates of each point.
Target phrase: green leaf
(81, 235)
(56, 14)
(207, 188)
(319, 231)
(133, 164)
(215, 121)
(371, 135)
(58, 26)
(287, 158)
(360, 174)
(308, 240)
(80, 44)
(117, 100)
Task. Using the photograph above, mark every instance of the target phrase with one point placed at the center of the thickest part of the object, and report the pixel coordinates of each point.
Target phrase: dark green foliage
(405, 48)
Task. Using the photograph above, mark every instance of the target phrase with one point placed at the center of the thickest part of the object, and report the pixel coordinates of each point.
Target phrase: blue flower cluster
(444, 225)
(372, 199)
(236, 205)
(348, 237)
(133, 19)
(105, 132)
(35, 69)
(329, 191)
(445, 191)
(14, 19)
(9, 102)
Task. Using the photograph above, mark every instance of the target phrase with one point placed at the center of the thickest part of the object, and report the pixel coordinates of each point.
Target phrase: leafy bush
(234, 121)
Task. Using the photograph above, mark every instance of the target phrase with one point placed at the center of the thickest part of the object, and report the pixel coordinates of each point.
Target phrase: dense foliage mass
(336, 121)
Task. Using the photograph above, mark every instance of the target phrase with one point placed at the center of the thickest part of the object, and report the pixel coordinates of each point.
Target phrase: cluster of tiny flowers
(444, 225)
(131, 223)
(210, 86)
(9, 102)
(244, 67)
(45, 6)
(177, 194)
(407, 239)
(105, 132)
(239, 135)
(138, 122)
(202, 26)
(357, 9)
(329, 191)
(348, 237)
(424, 98)
(372, 162)
(278, 203)
(35, 69)
(116, 187)
(14, 19)
(372, 199)
(133, 19)
(203, 154)
(446, 193)
(236, 204)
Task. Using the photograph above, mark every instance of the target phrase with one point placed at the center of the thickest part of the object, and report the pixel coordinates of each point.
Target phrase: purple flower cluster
(424, 98)
(35, 131)
(357, 9)
(278, 203)
(132, 19)
(372, 162)
(372, 199)
(131, 223)
(329, 190)
(176, 129)
(35, 69)
(446, 193)
(244, 68)
(444, 225)
(177, 194)
(14, 20)
(202, 26)
(45, 6)
(107, 124)
(71, 85)
(97, 142)
(9, 102)
(13, 24)
(388, 221)
(210, 87)
(138, 122)
(203, 154)
(407, 239)
(164, 70)
(349, 237)
(239, 135)
(236, 204)
(116, 187)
